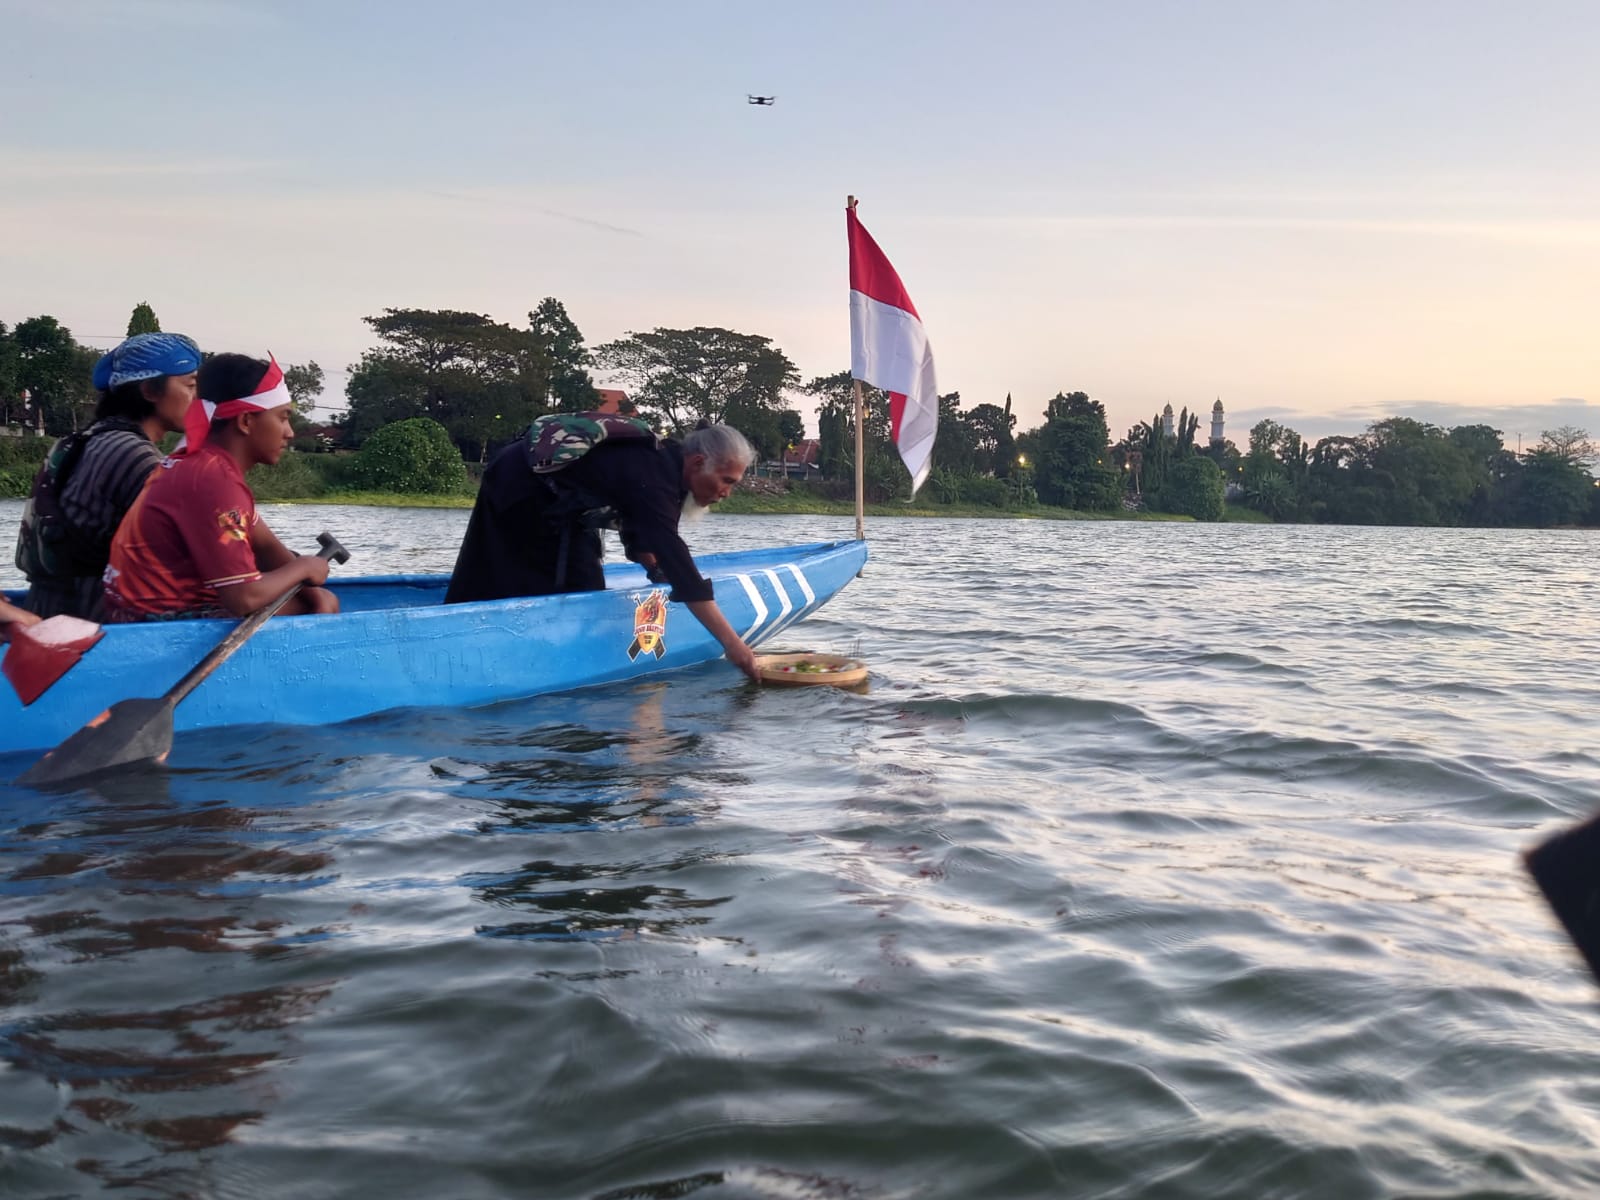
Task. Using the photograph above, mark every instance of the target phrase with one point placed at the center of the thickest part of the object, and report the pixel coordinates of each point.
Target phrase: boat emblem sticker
(649, 624)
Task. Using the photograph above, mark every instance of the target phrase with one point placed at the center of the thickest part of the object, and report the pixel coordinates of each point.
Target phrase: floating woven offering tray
(800, 670)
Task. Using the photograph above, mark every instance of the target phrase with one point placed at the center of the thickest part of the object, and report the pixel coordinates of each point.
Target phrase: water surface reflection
(146, 1061)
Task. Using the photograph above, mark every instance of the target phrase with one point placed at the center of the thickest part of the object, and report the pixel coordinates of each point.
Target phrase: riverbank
(769, 505)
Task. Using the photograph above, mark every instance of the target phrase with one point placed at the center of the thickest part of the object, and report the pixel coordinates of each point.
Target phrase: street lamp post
(1022, 478)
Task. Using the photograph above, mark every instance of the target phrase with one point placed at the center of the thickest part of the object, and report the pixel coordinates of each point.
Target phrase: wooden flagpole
(861, 469)
(861, 441)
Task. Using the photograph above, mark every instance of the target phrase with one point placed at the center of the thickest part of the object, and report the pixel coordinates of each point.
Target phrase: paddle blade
(130, 731)
(1567, 870)
(42, 653)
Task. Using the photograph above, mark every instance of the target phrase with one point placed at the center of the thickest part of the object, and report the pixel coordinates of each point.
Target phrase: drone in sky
(749, 99)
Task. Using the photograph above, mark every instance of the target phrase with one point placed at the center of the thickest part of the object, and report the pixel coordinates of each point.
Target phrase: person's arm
(271, 554)
(652, 568)
(242, 599)
(11, 614)
(739, 654)
(649, 510)
(269, 551)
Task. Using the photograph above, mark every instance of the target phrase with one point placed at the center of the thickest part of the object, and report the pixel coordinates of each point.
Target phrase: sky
(1322, 213)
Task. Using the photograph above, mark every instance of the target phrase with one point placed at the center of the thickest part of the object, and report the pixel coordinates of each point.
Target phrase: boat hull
(396, 645)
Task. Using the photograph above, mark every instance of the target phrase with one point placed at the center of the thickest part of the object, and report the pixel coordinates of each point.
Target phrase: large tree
(835, 441)
(1266, 477)
(681, 376)
(55, 371)
(482, 380)
(955, 441)
(884, 474)
(143, 320)
(304, 381)
(10, 389)
(1430, 478)
(993, 433)
(571, 386)
(1071, 459)
(1553, 490)
(1569, 442)
(758, 408)
(1490, 464)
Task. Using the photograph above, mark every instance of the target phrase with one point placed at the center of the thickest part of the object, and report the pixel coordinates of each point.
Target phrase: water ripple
(1188, 869)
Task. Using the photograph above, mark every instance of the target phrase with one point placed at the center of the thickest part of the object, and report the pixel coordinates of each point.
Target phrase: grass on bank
(303, 478)
(325, 479)
(378, 499)
(748, 503)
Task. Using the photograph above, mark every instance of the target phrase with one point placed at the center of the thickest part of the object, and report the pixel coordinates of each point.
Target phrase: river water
(1160, 860)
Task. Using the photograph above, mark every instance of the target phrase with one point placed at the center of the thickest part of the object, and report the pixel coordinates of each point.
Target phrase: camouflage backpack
(558, 440)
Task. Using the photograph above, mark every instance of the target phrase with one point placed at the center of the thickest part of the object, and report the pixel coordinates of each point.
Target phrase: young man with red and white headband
(192, 545)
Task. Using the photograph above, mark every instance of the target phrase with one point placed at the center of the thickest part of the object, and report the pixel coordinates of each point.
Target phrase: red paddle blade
(42, 653)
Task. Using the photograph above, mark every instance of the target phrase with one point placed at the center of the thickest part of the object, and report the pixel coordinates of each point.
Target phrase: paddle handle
(242, 632)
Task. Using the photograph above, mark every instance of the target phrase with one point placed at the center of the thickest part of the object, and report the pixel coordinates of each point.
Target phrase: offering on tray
(833, 669)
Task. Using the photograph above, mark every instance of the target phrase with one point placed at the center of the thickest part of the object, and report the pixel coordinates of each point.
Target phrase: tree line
(45, 375)
(482, 382)
(1406, 472)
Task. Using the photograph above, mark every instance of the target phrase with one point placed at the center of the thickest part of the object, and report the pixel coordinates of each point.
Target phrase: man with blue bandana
(91, 478)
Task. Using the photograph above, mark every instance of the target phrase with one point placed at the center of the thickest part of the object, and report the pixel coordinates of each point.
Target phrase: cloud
(1533, 231)
(1528, 420)
(523, 206)
(18, 166)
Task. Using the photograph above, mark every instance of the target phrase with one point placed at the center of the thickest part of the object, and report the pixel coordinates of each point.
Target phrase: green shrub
(415, 455)
(1194, 488)
(943, 486)
(24, 454)
(986, 491)
(295, 477)
(825, 489)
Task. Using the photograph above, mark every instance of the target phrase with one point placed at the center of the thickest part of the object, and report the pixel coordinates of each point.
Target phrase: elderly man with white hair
(535, 528)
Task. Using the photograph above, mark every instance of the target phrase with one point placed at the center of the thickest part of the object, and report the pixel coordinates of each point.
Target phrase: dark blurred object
(1567, 870)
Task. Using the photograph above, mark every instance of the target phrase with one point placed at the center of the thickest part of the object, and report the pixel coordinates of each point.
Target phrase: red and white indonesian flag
(889, 350)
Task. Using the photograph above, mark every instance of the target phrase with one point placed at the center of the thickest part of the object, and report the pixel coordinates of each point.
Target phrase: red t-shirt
(187, 535)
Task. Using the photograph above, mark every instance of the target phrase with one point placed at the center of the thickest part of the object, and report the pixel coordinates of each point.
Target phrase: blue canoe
(397, 645)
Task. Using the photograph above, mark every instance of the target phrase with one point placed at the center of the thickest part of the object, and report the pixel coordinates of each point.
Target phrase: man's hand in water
(744, 658)
(739, 654)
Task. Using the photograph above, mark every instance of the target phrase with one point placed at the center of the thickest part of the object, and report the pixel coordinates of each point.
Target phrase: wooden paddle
(1567, 870)
(140, 730)
(41, 653)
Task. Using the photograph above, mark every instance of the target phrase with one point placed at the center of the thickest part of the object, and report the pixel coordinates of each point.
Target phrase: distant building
(329, 437)
(613, 400)
(1216, 423)
(1166, 422)
(798, 461)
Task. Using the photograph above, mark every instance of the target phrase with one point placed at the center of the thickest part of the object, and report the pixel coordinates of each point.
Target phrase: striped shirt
(116, 463)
